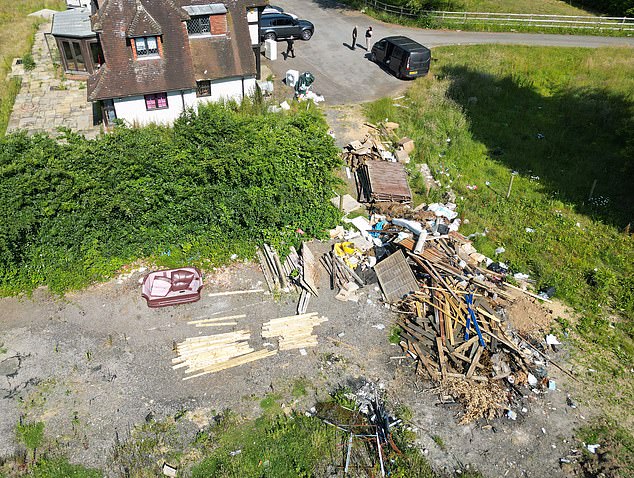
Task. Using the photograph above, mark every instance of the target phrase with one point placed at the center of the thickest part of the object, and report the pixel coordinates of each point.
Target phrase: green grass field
(537, 7)
(16, 39)
(545, 7)
(560, 118)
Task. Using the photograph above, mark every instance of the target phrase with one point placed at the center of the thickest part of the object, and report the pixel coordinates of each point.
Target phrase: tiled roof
(143, 24)
(182, 60)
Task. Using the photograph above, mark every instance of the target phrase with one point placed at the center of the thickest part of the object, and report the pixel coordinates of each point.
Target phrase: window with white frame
(157, 101)
(203, 88)
(199, 26)
(146, 46)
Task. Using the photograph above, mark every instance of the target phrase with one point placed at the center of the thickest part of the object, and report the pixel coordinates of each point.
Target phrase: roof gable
(142, 23)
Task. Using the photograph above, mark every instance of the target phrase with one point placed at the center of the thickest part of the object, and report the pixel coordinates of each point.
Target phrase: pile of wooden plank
(212, 353)
(296, 273)
(340, 274)
(452, 292)
(295, 331)
(277, 274)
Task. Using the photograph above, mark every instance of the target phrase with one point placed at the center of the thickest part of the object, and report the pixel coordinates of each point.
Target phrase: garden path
(46, 101)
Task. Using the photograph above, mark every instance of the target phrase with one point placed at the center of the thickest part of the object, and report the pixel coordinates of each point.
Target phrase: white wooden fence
(511, 19)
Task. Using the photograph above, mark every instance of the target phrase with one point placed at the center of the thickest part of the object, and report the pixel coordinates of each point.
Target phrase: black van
(403, 56)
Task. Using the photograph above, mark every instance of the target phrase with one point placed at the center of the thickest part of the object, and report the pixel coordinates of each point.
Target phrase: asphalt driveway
(344, 75)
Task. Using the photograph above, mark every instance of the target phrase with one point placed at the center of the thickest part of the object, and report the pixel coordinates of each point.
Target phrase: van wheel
(306, 35)
(270, 36)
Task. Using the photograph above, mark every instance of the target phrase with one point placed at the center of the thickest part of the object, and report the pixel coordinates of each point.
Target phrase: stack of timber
(295, 331)
(296, 274)
(340, 274)
(276, 274)
(212, 353)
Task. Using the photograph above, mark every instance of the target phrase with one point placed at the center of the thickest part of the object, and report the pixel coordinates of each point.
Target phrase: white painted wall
(132, 109)
(254, 32)
(230, 89)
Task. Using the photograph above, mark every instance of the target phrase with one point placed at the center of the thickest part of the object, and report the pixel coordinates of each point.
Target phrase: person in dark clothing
(368, 38)
(354, 37)
(290, 48)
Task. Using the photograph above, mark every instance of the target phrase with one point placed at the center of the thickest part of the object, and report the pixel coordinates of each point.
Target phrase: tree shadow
(334, 5)
(568, 140)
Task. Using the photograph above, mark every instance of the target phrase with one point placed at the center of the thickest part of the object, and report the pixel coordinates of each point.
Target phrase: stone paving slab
(46, 102)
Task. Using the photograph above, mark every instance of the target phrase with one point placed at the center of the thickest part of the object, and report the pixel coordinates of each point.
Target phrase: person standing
(354, 37)
(290, 50)
(368, 38)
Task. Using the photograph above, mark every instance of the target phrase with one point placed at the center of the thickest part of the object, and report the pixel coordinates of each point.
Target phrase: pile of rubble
(452, 307)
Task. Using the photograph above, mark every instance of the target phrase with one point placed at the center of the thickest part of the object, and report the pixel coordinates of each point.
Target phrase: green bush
(220, 181)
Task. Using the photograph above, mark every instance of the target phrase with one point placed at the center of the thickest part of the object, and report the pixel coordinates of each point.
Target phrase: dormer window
(146, 47)
(206, 20)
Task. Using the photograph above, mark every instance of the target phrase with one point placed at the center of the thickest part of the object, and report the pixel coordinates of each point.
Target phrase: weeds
(28, 62)
(492, 110)
(395, 335)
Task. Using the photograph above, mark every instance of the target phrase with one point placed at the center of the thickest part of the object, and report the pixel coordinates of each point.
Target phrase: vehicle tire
(270, 36)
(306, 35)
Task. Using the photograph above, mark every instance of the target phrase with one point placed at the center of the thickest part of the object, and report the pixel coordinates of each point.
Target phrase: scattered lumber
(217, 321)
(295, 331)
(246, 358)
(212, 353)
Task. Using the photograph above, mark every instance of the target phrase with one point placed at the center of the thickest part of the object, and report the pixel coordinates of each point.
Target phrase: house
(161, 57)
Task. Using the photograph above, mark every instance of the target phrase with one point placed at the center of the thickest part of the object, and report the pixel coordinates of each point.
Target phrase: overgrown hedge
(217, 183)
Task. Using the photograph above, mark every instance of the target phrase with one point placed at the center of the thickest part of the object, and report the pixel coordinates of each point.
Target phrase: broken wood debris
(342, 277)
(295, 331)
(377, 161)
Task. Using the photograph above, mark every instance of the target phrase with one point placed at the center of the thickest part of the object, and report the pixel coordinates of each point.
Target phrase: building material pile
(295, 331)
(298, 273)
(341, 275)
(212, 353)
(377, 161)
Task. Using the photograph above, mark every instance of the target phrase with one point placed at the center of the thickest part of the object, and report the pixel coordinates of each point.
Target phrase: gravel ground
(97, 362)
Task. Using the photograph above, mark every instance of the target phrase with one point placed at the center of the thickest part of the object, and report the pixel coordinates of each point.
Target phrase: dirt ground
(97, 362)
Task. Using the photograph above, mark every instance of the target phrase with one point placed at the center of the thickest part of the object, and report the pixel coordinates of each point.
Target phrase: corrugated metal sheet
(72, 23)
(396, 277)
(209, 9)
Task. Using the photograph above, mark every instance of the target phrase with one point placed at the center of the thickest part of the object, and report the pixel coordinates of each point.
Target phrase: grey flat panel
(72, 23)
(209, 9)
(396, 277)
